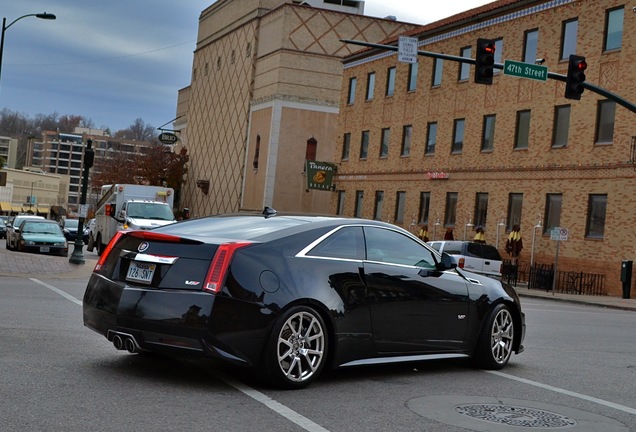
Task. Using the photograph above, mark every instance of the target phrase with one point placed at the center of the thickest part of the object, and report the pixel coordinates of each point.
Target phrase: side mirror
(446, 263)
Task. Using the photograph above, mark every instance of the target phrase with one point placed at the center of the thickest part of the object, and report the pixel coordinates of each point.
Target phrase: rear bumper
(177, 322)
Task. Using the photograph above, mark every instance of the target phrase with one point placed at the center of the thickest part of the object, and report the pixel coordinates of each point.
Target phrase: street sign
(407, 49)
(83, 211)
(525, 70)
(559, 233)
(168, 138)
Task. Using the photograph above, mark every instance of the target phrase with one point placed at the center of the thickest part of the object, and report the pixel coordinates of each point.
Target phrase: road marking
(58, 291)
(275, 406)
(270, 403)
(566, 392)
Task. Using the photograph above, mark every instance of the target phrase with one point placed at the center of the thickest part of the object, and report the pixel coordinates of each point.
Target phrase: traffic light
(576, 76)
(484, 61)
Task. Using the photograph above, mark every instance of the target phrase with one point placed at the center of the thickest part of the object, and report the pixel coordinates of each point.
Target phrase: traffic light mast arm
(596, 89)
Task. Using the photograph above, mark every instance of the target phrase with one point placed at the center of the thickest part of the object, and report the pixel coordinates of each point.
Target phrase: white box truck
(130, 207)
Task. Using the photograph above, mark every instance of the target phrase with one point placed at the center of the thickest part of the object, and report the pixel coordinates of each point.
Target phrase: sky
(118, 60)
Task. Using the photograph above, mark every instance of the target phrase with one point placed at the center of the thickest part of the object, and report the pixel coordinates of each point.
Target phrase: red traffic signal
(576, 77)
(484, 61)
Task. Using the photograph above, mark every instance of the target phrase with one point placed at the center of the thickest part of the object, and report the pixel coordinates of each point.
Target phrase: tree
(138, 131)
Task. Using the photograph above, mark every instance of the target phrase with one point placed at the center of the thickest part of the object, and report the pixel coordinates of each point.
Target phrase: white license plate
(45, 249)
(141, 272)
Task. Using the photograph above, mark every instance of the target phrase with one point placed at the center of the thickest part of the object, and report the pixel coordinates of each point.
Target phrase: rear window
(231, 227)
(453, 248)
(491, 253)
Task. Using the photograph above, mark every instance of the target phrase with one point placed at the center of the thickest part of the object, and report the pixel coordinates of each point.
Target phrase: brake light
(155, 236)
(461, 262)
(219, 266)
(109, 248)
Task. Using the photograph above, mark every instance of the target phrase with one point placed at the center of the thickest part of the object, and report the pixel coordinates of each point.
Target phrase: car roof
(257, 227)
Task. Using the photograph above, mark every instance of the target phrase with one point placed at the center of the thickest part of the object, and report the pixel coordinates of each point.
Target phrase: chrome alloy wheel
(301, 346)
(502, 336)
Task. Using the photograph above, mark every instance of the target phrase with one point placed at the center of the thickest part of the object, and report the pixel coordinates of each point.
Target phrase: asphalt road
(578, 372)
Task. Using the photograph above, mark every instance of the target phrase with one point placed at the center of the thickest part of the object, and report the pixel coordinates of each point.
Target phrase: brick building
(423, 144)
(264, 94)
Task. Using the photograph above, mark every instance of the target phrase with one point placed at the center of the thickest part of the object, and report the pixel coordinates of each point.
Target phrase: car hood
(39, 237)
(149, 223)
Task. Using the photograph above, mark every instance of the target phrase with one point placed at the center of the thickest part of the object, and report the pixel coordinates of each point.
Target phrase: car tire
(297, 349)
(496, 341)
(100, 246)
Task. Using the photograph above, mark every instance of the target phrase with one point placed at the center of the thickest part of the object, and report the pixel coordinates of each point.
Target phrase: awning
(16, 208)
(5, 206)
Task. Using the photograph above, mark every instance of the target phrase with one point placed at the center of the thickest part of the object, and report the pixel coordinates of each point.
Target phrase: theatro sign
(437, 175)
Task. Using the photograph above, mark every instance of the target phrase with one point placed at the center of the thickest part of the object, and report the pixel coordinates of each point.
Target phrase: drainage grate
(515, 416)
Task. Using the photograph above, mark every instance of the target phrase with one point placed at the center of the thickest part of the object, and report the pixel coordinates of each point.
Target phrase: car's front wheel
(297, 349)
(496, 341)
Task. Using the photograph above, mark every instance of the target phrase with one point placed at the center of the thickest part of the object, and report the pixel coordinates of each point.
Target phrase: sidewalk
(603, 301)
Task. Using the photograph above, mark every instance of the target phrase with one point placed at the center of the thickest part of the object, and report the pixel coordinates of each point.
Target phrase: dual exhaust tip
(125, 342)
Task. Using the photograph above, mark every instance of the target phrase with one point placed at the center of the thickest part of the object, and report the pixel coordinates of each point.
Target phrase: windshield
(71, 223)
(149, 210)
(41, 228)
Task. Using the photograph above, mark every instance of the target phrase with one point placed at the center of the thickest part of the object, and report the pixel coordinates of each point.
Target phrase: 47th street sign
(525, 70)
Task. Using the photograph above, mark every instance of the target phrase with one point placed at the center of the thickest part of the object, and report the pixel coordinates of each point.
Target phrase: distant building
(33, 191)
(8, 151)
(264, 97)
(63, 153)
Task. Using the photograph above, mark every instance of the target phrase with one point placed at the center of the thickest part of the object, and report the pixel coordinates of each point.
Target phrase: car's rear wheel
(297, 349)
(100, 247)
(496, 341)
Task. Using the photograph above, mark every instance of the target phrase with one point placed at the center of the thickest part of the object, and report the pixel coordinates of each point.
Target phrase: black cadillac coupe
(290, 295)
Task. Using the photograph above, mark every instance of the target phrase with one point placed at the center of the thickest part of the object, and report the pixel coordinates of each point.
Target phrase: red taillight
(219, 266)
(461, 262)
(109, 248)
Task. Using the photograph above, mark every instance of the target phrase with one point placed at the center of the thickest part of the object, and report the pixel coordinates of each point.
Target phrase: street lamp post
(5, 27)
(31, 196)
(77, 257)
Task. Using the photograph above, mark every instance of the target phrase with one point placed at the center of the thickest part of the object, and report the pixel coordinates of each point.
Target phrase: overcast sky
(118, 60)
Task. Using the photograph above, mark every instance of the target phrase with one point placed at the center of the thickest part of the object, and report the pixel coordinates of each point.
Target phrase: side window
(346, 243)
(490, 253)
(392, 247)
(474, 250)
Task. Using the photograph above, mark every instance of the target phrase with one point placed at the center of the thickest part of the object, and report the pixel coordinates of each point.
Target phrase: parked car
(41, 236)
(70, 229)
(89, 230)
(475, 257)
(3, 227)
(290, 295)
(14, 228)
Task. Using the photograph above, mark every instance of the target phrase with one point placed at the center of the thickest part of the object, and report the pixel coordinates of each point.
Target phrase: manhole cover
(515, 416)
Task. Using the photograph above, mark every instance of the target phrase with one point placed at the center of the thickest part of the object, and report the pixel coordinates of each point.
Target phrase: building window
(438, 66)
(431, 138)
(498, 54)
(530, 46)
(464, 68)
(379, 200)
(370, 85)
(359, 199)
(390, 81)
(425, 206)
(458, 136)
(412, 82)
(561, 126)
(400, 204)
(311, 149)
(596, 207)
(407, 131)
(352, 90)
(451, 209)
(346, 146)
(614, 29)
(341, 203)
(552, 212)
(488, 133)
(522, 132)
(568, 38)
(515, 202)
(384, 143)
(605, 121)
(364, 145)
(481, 209)
(257, 151)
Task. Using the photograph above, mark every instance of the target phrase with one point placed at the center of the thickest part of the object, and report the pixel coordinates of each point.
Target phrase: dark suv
(475, 257)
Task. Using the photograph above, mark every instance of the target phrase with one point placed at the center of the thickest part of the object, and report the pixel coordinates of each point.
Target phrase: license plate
(45, 249)
(141, 272)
